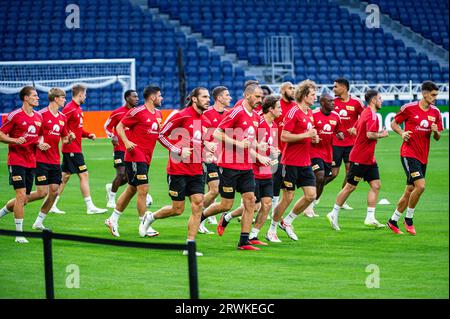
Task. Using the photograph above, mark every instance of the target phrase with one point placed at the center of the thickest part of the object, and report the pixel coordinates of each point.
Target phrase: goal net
(43, 75)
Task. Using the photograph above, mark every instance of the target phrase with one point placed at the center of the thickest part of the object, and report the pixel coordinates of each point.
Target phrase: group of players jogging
(263, 146)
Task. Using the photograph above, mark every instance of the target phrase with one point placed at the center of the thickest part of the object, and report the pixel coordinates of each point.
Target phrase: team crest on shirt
(424, 123)
(431, 118)
(350, 108)
(61, 123)
(31, 129)
(37, 123)
(255, 123)
(204, 129)
(311, 118)
(333, 122)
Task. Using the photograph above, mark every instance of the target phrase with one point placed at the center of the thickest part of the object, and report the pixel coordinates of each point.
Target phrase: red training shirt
(297, 122)
(418, 121)
(238, 125)
(349, 113)
(74, 118)
(363, 152)
(111, 123)
(187, 128)
(327, 127)
(53, 127)
(142, 128)
(20, 124)
(268, 134)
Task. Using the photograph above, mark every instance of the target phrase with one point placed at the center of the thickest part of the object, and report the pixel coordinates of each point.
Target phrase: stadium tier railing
(48, 236)
(389, 92)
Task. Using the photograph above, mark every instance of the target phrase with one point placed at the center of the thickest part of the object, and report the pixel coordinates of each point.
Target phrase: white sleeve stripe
(11, 115)
(235, 112)
(172, 147)
(166, 127)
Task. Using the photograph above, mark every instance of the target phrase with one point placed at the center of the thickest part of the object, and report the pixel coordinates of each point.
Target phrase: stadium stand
(429, 18)
(329, 42)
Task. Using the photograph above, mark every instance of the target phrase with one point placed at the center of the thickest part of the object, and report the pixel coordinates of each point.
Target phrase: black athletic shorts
(319, 164)
(232, 180)
(341, 153)
(277, 178)
(297, 176)
(211, 172)
(414, 169)
(119, 158)
(263, 188)
(47, 174)
(73, 163)
(358, 172)
(181, 186)
(21, 177)
(137, 173)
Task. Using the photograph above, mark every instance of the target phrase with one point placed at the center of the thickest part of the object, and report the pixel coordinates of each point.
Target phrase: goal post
(43, 75)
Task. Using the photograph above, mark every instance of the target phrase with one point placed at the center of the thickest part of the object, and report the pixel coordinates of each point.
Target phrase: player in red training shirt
(328, 125)
(139, 130)
(132, 99)
(267, 133)
(73, 159)
(422, 119)
(22, 131)
(287, 101)
(48, 168)
(349, 109)
(238, 132)
(298, 134)
(183, 135)
(363, 164)
(215, 114)
(246, 84)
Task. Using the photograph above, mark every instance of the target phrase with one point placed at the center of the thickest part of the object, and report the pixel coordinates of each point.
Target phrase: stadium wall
(94, 120)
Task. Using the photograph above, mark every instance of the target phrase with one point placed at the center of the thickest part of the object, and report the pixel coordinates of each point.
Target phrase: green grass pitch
(322, 264)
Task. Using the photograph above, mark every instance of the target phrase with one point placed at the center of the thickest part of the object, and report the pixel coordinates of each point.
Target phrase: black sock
(202, 218)
(408, 221)
(244, 239)
(224, 222)
(393, 222)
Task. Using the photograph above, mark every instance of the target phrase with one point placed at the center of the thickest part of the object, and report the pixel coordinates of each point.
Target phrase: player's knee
(225, 206)
(376, 186)
(310, 196)
(178, 210)
(214, 190)
(266, 203)
(320, 178)
(65, 178)
(334, 173)
(288, 196)
(22, 199)
(41, 193)
(420, 187)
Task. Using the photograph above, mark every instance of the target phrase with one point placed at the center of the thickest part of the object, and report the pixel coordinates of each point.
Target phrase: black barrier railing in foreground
(48, 236)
